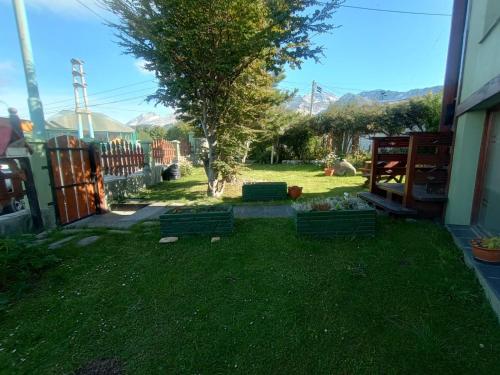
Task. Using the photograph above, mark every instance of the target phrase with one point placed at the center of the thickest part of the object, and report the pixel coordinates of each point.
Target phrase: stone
(215, 239)
(88, 240)
(60, 243)
(410, 220)
(169, 239)
(344, 168)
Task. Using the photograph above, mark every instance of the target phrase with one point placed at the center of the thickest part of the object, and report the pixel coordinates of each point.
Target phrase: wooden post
(373, 172)
(408, 200)
(96, 175)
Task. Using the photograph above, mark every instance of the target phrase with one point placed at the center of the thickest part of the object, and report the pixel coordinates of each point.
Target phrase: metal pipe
(34, 102)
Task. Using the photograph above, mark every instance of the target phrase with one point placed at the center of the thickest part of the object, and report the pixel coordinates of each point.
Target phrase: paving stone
(169, 239)
(73, 230)
(60, 243)
(215, 239)
(88, 240)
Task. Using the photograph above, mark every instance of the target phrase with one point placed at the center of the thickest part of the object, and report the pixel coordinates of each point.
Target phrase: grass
(192, 189)
(260, 302)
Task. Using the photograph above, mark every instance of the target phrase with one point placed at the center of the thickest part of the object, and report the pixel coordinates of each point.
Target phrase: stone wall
(117, 188)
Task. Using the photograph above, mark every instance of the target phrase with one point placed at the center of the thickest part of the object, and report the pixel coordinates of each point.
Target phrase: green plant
(186, 167)
(492, 243)
(329, 160)
(21, 262)
(358, 159)
(339, 203)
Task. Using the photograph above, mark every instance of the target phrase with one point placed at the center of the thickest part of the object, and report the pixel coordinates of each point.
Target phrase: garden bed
(264, 191)
(335, 217)
(198, 220)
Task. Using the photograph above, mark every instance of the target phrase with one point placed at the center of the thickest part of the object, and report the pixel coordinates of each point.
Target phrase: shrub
(185, 166)
(492, 243)
(342, 203)
(21, 263)
(357, 159)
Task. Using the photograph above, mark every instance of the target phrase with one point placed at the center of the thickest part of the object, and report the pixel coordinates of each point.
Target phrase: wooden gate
(75, 177)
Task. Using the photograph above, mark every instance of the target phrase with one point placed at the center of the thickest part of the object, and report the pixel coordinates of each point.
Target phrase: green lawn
(260, 302)
(192, 189)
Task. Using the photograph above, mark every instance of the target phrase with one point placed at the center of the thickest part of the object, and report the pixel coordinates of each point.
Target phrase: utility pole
(80, 85)
(313, 90)
(34, 102)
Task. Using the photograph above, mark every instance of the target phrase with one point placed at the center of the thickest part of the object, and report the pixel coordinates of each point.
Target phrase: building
(473, 74)
(105, 128)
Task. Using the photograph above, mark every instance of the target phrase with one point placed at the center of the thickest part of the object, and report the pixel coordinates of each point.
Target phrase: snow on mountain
(323, 100)
(386, 96)
(152, 119)
(302, 104)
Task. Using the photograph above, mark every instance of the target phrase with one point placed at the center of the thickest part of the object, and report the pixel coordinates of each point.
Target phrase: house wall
(481, 64)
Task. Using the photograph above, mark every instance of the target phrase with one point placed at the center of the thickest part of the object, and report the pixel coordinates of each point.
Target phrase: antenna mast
(80, 90)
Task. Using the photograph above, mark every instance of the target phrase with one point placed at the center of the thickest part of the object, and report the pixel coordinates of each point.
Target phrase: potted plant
(336, 216)
(486, 249)
(328, 164)
(294, 192)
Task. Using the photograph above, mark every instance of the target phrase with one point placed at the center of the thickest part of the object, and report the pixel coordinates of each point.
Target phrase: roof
(68, 120)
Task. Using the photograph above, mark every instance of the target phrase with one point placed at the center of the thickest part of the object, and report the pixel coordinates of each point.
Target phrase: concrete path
(126, 219)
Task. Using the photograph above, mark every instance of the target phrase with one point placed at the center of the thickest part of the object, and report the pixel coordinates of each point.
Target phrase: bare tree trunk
(247, 150)
(272, 154)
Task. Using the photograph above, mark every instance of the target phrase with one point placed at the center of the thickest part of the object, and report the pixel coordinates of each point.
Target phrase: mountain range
(302, 103)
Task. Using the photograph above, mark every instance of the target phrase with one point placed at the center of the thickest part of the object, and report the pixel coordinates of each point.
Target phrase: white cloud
(141, 67)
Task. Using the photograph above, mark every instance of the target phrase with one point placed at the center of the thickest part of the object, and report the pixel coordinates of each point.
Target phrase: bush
(358, 159)
(185, 166)
(21, 263)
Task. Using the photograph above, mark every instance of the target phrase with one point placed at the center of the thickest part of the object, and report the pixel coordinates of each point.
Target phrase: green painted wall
(463, 174)
(481, 64)
(482, 57)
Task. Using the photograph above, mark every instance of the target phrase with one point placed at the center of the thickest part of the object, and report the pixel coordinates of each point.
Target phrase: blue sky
(371, 50)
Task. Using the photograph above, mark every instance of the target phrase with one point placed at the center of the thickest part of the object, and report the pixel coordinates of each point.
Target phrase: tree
(201, 49)
(147, 132)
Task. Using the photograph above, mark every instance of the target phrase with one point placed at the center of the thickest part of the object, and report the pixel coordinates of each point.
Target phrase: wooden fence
(121, 158)
(163, 152)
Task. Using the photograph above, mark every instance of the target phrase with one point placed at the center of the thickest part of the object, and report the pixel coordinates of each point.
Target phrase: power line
(52, 108)
(397, 11)
(92, 11)
(100, 92)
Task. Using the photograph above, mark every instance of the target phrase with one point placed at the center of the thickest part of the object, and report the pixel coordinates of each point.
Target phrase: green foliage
(358, 158)
(180, 131)
(492, 243)
(148, 133)
(217, 61)
(186, 167)
(21, 262)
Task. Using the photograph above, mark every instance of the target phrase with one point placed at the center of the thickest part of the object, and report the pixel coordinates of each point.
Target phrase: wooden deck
(419, 192)
(387, 205)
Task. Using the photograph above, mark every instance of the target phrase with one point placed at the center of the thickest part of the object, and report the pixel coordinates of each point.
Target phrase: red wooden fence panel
(121, 158)
(163, 152)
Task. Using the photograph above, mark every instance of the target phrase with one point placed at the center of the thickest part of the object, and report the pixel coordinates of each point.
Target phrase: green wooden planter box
(264, 191)
(336, 223)
(208, 220)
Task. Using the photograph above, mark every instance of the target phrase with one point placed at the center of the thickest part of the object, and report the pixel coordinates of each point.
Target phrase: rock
(88, 240)
(215, 239)
(344, 168)
(410, 220)
(169, 239)
(60, 243)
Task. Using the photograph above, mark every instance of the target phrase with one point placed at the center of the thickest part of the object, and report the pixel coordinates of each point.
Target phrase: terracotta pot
(329, 171)
(294, 192)
(484, 254)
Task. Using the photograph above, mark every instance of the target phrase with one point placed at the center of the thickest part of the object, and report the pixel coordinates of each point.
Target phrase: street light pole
(34, 102)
